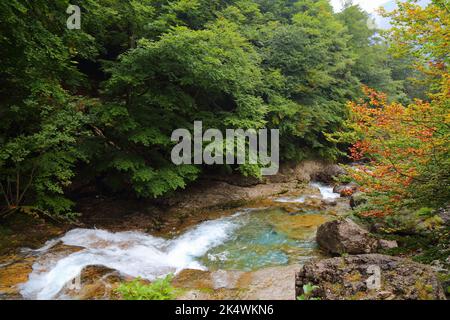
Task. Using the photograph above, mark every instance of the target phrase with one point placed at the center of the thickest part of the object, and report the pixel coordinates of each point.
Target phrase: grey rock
(444, 214)
(387, 244)
(345, 236)
(345, 278)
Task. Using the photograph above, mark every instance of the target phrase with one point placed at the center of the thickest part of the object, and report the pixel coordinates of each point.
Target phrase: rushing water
(248, 240)
(326, 193)
(131, 253)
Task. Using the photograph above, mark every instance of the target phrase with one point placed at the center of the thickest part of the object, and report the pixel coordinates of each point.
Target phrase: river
(249, 240)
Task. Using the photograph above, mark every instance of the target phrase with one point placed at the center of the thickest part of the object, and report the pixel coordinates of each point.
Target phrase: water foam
(134, 254)
(326, 193)
(325, 190)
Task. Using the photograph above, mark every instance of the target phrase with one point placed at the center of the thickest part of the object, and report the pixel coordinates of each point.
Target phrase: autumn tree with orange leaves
(406, 149)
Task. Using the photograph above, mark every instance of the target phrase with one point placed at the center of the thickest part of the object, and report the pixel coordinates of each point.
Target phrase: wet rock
(345, 236)
(266, 284)
(355, 277)
(193, 279)
(94, 283)
(12, 275)
(224, 279)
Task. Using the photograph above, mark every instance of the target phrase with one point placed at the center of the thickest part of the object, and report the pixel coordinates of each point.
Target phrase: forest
(96, 106)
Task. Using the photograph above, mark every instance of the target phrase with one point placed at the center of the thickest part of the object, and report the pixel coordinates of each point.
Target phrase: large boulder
(345, 236)
(328, 173)
(370, 277)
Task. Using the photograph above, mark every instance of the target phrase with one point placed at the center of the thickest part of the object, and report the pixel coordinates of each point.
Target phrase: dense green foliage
(160, 289)
(100, 103)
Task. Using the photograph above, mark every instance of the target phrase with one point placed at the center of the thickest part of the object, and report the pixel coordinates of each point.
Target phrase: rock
(95, 282)
(355, 277)
(345, 236)
(346, 190)
(328, 173)
(274, 283)
(387, 244)
(357, 199)
(329, 202)
(385, 295)
(444, 214)
(12, 275)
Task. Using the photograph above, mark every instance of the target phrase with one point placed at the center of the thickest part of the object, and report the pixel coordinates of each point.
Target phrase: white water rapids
(131, 253)
(326, 193)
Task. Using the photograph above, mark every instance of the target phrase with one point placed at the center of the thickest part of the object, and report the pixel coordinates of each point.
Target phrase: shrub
(160, 289)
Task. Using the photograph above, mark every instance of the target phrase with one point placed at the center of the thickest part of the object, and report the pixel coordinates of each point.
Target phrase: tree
(313, 83)
(407, 147)
(370, 50)
(41, 118)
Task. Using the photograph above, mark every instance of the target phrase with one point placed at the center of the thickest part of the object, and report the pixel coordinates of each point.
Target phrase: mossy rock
(351, 277)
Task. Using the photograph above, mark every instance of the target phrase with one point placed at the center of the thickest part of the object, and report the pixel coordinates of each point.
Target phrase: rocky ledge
(370, 277)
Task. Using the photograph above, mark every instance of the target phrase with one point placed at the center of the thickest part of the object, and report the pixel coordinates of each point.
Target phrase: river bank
(221, 238)
(289, 209)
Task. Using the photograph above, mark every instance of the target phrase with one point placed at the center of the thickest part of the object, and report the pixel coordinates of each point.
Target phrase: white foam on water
(131, 253)
(326, 191)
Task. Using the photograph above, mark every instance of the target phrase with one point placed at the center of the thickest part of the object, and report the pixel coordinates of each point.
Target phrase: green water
(264, 238)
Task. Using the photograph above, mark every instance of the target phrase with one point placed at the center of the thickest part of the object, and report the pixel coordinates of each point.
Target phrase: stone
(444, 214)
(329, 202)
(345, 236)
(352, 277)
(328, 173)
(387, 244)
(274, 283)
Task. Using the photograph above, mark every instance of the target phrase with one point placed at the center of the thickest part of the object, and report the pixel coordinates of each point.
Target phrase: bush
(160, 289)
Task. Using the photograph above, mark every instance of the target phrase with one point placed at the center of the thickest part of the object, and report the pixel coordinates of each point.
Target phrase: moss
(355, 276)
(424, 290)
(336, 288)
(423, 248)
(358, 296)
